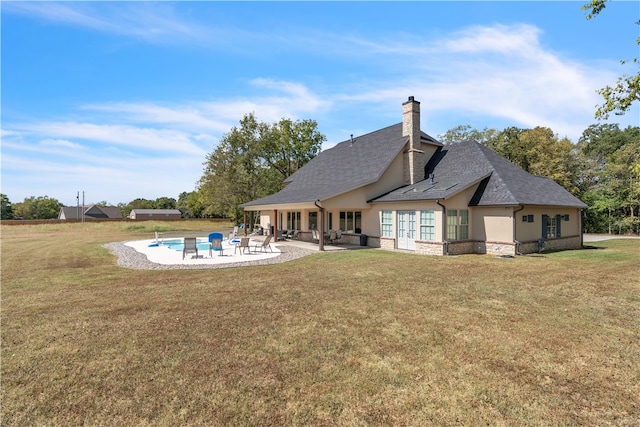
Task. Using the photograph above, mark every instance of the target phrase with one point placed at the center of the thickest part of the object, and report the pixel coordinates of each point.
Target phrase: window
(527, 218)
(463, 228)
(427, 225)
(351, 221)
(313, 220)
(457, 224)
(551, 226)
(387, 224)
(293, 221)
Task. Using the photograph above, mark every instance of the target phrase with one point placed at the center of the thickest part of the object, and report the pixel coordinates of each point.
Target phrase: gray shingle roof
(342, 168)
(92, 211)
(459, 166)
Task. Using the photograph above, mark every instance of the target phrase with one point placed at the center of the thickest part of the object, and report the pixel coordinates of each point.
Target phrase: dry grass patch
(351, 338)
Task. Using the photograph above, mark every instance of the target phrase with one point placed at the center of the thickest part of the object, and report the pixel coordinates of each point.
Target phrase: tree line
(45, 207)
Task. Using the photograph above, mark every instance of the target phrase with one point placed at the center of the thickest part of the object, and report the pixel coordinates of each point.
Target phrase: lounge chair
(264, 245)
(216, 245)
(243, 246)
(190, 246)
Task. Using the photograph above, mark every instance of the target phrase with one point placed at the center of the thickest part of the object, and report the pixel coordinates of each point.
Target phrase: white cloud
(501, 73)
(150, 139)
(63, 143)
(149, 21)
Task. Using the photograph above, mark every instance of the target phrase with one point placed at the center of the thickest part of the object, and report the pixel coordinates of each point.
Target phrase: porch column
(245, 223)
(275, 226)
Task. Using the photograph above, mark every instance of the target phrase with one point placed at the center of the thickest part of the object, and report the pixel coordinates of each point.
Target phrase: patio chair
(190, 246)
(314, 235)
(235, 232)
(215, 235)
(332, 236)
(338, 234)
(296, 234)
(243, 246)
(216, 245)
(264, 245)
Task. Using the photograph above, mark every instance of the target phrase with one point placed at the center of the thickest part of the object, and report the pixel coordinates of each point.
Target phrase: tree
(41, 207)
(619, 98)
(165, 203)
(466, 132)
(612, 164)
(253, 160)
(190, 205)
(7, 210)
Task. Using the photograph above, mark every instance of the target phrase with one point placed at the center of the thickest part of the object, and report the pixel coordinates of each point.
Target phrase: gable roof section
(92, 211)
(459, 166)
(344, 167)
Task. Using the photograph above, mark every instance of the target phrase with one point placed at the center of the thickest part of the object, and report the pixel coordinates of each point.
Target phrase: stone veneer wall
(563, 243)
(429, 248)
(495, 248)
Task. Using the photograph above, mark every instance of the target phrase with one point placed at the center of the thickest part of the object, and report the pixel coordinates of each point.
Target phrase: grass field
(355, 338)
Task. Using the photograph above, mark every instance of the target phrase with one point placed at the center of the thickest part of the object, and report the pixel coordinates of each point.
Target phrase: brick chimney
(414, 156)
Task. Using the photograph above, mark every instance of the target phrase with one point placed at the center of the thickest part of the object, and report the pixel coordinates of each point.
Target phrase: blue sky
(125, 99)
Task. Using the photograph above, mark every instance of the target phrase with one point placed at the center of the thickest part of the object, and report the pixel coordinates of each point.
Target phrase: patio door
(407, 230)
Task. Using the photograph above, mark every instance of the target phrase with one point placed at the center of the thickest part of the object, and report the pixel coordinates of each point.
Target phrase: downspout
(514, 230)
(444, 227)
(321, 227)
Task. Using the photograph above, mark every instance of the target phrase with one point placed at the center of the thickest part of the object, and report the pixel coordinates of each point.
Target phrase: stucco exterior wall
(530, 231)
(492, 224)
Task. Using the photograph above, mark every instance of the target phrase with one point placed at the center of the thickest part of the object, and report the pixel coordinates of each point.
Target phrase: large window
(457, 224)
(427, 225)
(313, 220)
(293, 221)
(351, 221)
(387, 224)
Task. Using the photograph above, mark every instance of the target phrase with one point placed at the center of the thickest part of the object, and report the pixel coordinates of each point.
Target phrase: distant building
(91, 212)
(155, 214)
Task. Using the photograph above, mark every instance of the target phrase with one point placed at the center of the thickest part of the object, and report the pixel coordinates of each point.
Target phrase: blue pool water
(178, 244)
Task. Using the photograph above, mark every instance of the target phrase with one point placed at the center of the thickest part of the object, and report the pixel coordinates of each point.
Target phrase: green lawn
(359, 338)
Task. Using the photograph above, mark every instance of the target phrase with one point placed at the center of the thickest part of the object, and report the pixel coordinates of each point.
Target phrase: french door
(406, 222)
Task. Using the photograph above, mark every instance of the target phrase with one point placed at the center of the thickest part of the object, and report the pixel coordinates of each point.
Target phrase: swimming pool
(178, 244)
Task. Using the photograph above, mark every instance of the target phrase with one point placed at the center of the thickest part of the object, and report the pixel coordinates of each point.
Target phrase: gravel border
(130, 258)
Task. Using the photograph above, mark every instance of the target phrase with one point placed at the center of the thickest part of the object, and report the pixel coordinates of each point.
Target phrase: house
(155, 214)
(400, 189)
(91, 212)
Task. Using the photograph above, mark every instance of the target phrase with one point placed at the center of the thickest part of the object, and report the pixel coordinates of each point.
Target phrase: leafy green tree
(618, 98)
(41, 207)
(462, 133)
(7, 210)
(612, 162)
(165, 203)
(190, 204)
(253, 160)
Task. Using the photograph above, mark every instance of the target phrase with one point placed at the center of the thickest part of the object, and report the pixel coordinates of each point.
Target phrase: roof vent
(352, 140)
